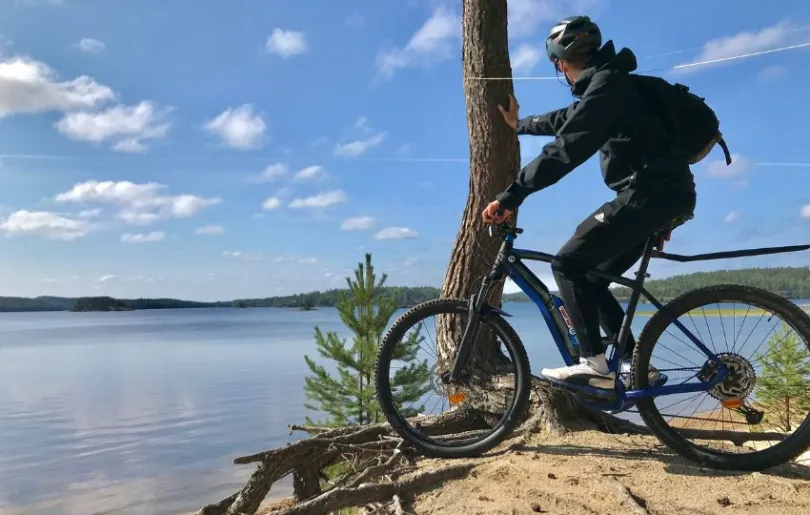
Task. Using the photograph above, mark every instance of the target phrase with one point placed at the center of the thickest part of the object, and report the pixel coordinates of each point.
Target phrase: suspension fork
(476, 309)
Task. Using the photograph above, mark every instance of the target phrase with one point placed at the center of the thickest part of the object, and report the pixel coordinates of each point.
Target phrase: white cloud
(358, 147)
(527, 17)
(286, 43)
(140, 204)
(804, 212)
(362, 125)
(772, 72)
(90, 213)
(745, 43)
(271, 203)
(309, 173)
(29, 86)
(435, 41)
(128, 126)
(291, 259)
(739, 166)
(238, 127)
(271, 173)
(105, 278)
(91, 46)
(732, 216)
(152, 237)
(46, 224)
(396, 233)
(321, 200)
(209, 230)
(526, 58)
(357, 223)
(245, 256)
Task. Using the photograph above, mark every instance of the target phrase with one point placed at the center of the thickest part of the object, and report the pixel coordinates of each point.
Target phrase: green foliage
(349, 397)
(14, 304)
(306, 303)
(783, 384)
(790, 282)
(403, 296)
(99, 304)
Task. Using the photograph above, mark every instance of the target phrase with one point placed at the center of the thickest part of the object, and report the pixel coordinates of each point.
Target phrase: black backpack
(687, 117)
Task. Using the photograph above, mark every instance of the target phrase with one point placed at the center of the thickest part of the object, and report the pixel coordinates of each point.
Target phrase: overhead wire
(671, 68)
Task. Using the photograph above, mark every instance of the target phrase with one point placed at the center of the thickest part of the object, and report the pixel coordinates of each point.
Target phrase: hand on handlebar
(495, 214)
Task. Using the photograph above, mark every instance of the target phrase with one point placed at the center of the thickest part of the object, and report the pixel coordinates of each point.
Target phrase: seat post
(635, 294)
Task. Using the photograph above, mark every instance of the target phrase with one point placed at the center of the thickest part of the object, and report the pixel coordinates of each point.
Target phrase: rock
(724, 501)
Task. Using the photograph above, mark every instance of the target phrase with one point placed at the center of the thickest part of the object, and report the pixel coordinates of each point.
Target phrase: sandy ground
(583, 473)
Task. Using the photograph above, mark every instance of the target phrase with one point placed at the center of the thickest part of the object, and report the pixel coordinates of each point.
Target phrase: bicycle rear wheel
(758, 416)
(481, 410)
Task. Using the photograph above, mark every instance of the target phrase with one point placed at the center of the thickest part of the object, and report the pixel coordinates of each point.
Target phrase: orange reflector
(456, 398)
(731, 404)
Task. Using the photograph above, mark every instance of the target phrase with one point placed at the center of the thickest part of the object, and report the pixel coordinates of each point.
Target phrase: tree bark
(306, 482)
(494, 153)
(494, 162)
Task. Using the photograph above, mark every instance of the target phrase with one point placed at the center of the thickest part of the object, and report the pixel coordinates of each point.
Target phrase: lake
(143, 412)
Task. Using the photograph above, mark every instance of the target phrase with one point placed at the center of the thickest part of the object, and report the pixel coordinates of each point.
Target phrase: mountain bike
(482, 366)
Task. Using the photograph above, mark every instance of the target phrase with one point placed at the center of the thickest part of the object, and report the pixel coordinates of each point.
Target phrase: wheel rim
(761, 405)
(473, 425)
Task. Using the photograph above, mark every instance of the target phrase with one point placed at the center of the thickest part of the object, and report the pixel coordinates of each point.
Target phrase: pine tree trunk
(494, 153)
(494, 160)
(494, 163)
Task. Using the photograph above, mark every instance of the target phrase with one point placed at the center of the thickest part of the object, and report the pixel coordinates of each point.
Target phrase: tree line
(791, 282)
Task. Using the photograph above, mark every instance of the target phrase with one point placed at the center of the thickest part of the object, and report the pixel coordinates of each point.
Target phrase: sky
(215, 150)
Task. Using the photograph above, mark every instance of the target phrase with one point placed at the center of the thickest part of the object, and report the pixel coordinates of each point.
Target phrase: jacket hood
(605, 58)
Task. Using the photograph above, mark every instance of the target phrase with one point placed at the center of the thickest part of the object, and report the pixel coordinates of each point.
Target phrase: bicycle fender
(492, 309)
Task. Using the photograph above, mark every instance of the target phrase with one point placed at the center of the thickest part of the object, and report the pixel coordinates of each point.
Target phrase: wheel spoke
(762, 401)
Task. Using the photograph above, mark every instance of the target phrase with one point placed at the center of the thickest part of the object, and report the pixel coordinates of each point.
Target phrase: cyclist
(652, 180)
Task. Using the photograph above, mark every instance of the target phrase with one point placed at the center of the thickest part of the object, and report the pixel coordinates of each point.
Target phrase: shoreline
(805, 305)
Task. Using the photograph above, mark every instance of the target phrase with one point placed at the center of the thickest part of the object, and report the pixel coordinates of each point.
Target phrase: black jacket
(610, 117)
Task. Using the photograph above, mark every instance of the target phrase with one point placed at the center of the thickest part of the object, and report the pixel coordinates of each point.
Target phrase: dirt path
(594, 473)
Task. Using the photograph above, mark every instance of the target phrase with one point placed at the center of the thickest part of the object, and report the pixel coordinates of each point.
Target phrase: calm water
(142, 412)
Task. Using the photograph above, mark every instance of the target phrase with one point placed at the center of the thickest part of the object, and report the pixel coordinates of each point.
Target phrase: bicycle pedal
(582, 391)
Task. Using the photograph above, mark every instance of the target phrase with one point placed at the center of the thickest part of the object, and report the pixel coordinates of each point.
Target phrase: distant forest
(405, 296)
(791, 282)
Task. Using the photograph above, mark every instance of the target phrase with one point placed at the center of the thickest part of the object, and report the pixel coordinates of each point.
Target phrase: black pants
(611, 239)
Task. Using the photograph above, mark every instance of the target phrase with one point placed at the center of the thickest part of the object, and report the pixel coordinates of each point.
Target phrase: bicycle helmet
(572, 38)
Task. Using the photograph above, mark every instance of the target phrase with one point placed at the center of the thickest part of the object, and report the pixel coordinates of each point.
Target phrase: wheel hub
(738, 383)
(437, 381)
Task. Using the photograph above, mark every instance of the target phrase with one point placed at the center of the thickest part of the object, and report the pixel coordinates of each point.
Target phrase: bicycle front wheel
(451, 420)
(755, 417)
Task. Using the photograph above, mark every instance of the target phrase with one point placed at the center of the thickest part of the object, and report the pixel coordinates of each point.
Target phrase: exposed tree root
(379, 465)
(375, 492)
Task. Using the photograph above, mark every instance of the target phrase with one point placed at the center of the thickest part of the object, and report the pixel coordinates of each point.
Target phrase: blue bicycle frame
(509, 262)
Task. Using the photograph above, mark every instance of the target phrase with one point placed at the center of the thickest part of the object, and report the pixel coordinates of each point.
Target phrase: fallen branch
(344, 497)
(375, 470)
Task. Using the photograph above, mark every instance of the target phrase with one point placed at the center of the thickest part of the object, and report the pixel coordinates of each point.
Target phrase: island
(99, 304)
